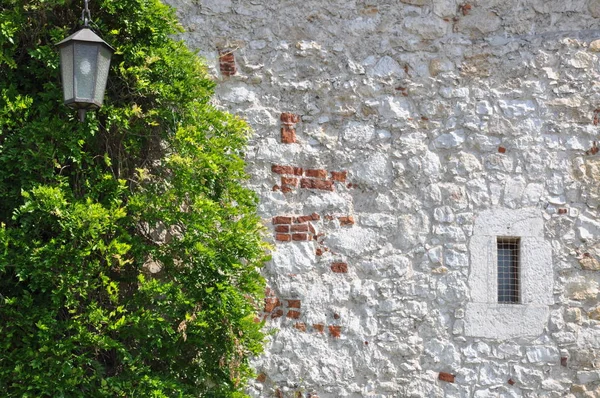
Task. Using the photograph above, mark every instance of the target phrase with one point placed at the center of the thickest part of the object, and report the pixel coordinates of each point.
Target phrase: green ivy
(129, 248)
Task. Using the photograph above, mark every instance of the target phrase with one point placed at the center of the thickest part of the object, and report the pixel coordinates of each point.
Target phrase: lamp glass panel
(85, 70)
(102, 75)
(66, 67)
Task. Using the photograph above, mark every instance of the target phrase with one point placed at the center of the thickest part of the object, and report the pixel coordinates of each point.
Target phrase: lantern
(84, 64)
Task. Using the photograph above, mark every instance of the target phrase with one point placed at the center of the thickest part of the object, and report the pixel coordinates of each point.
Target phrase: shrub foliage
(129, 248)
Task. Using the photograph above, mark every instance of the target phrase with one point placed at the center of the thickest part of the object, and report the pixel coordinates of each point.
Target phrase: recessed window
(511, 277)
(508, 270)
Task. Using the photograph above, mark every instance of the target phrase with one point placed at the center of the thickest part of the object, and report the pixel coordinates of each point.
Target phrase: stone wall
(384, 131)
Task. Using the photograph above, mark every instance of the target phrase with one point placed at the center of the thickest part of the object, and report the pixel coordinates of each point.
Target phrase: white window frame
(484, 316)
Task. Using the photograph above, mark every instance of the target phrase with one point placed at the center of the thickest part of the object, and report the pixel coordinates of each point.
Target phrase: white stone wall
(383, 130)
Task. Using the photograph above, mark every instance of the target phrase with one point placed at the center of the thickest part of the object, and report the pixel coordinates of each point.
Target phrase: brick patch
(309, 178)
(301, 326)
(317, 173)
(339, 268)
(335, 331)
(301, 237)
(319, 327)
(288, 135)
(339, 176)
(227, 62)
(310, 183)
(593, 150)
(294, 303)
(288, 128)
(294, 229)
(271, 303)
(297, 171)
(443, 376)
(346, 221)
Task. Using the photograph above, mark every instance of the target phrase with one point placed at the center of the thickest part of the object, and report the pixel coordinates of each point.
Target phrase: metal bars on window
(508, 270)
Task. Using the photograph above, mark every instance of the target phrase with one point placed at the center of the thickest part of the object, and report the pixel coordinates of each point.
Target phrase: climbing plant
(129, 247)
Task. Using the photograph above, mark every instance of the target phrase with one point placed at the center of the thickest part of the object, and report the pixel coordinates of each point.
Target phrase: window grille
(508, 270)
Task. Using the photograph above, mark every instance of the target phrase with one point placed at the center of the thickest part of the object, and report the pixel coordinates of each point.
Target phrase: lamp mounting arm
(86, 16)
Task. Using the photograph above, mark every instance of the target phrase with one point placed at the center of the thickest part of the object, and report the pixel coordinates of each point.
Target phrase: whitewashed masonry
(393, 140)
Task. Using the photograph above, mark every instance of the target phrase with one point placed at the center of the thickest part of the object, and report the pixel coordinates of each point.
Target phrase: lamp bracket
(86, 16)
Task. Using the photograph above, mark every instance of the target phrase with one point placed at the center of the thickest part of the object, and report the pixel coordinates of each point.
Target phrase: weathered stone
(583, 290)
(427, 27)
(594, 314)
(595, 45)
(594, 7)
(589, 263)
(415, 2)
(479, 21)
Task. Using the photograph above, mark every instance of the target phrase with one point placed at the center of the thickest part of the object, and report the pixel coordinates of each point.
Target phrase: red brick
(278, 393)
(316, 184)
(317, 173)
(564, 361)
(312, 217)
(466, 8)
(511, 382)
(293, 314)
(288, 135)
(443, 376)
(283, 237)
(501, 149)
(300, 326)
(271, 303)
(294, 303)
(226, 56)
(319, 327)
(282, 220)
(346, 220)
(335, 331)
(300, 228)
(562, 211)
(261, 378)
(293, 181)
(227, 63)
(300, 237)
(227, 66)
(319, 252)
(282, 228)
(339, 176)
(286, 189)
(339, 268)
(289, 118)
(311, 229)
(277, 313)
(282, 169)
(276, 188)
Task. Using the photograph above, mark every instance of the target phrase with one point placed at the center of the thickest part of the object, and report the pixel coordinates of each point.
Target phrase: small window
(508, 270)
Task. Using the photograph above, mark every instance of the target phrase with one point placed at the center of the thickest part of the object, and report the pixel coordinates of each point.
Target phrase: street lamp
(84, 64)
